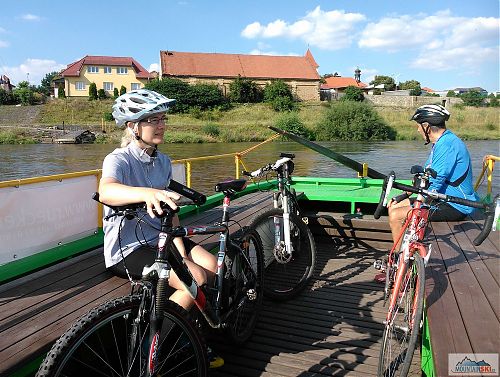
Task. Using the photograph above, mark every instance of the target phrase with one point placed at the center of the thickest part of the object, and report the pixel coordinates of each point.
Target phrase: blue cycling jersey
(451, 160)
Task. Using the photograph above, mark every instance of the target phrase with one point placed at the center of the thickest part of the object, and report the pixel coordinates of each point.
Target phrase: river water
(24, 161)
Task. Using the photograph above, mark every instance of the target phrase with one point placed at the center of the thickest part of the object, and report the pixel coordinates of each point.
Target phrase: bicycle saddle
(235, 185)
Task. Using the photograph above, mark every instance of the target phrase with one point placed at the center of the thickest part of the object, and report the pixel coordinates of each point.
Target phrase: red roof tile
(341, 82)
(74, 68)
(428, 90)
(175, 63)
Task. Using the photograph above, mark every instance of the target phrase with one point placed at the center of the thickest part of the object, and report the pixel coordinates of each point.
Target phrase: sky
(442, 44)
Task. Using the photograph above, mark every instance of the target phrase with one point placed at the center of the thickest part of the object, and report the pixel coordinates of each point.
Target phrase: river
(24, 161)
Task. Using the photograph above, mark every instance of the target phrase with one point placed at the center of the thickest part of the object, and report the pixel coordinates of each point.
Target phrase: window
(135, 86)
(121, 70)
(108, 86)
(107, 69)
(92, 69)
(79, 85)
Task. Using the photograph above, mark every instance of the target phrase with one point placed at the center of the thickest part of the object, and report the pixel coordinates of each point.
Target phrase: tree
(243, 90)
(46, 83)
(353, 93)
(24, 94)
(413, 86)
(6, 98)
(123, 90)
(60, 91)
(115, 93)
(451, 93)
(472, 98)
(92, 92)
(101, 94)
(388, 82)
(277, 88)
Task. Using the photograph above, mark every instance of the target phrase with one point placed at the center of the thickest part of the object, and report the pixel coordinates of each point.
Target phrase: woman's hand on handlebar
(154, 197)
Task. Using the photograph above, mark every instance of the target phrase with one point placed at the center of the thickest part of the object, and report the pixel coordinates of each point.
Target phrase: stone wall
(302, 90)
(410, 101)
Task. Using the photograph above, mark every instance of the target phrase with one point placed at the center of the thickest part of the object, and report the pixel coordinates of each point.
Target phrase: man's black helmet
(433, 114)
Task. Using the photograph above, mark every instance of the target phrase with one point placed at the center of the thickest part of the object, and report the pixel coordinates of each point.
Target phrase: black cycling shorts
(444, 212)
(141, 257)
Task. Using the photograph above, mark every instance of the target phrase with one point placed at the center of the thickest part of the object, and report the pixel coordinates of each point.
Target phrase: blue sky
(443, 44)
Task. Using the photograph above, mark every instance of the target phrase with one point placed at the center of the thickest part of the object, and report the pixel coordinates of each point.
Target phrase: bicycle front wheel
(402, 328)
(285, 274)
(105, 342)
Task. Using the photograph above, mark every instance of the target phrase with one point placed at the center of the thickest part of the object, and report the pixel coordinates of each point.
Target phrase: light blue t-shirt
(451, 160)
(132, 167)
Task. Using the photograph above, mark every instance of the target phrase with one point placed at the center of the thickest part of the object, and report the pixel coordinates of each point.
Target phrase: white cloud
(329, 30)
(30, 17)
(36, 68)
(154, 67)
(442, 41)
(4, 44)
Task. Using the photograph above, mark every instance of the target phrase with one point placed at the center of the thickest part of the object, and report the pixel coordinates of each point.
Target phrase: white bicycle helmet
(139, 104)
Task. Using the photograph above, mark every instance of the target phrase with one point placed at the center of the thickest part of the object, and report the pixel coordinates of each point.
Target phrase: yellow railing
(488, 166)
(237, 159)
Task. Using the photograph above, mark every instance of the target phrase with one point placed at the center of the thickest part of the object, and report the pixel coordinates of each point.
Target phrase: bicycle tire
(398, 347)
(86, 348)
(240, 278)
(283, 280)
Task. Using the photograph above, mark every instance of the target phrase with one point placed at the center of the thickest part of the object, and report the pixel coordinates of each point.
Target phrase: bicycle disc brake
(280, 253)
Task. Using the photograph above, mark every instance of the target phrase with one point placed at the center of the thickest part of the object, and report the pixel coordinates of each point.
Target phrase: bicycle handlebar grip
(488, 223)
(400, 197)
(383, 195)
(195, 196)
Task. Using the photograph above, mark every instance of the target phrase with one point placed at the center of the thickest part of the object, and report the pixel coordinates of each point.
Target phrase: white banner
(40, 216)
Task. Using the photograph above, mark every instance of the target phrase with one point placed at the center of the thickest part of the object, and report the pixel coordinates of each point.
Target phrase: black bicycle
(289, 248)
(145, 334)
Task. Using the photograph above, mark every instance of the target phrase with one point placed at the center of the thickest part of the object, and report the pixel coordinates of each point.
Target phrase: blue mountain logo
(471, 363)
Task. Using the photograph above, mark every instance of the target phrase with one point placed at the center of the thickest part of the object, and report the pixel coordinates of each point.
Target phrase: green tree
(101, 94)
(24, 93)
(356, 121)
(60, 91)
(123, 90)
(494, 102)
(92, 92)
(277, 88)
(472, 98)
(353, 93)
(388, 82)
(243, 90)
(46, 83)
(115, 93)
(451, 93)
(413, 86)
(6, 98)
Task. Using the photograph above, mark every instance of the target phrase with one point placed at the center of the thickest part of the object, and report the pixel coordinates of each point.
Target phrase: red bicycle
(405, 269)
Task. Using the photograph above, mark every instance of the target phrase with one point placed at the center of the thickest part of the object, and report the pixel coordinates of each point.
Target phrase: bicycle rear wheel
(103, 343)
(244, 285)
(402, 329)
(285, 277)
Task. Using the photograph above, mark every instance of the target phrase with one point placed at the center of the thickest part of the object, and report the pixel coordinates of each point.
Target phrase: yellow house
(107, 72)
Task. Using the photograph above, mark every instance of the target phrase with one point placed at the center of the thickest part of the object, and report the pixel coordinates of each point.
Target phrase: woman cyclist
(137, 172)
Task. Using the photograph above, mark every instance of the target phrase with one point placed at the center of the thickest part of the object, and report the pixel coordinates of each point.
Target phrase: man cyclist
(137, 172)
(450, 159)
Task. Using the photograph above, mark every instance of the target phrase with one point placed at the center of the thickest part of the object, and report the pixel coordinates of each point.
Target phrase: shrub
(451, 93)
(108, 117)
(60, 91)
(243, 90)
(116, 94)
(494, 102)
(101, 94)
(24, 96)
(353, 93)
(211, 129)
(377, 92)
(355, 121)
(283, 104)
(123, 90)
(6, 98)
(291, 122)
(275, 89)
(92, 92)
(459, 106)
(472, 98)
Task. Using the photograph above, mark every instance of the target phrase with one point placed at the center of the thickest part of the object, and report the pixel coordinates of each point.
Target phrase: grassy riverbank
(241, 123)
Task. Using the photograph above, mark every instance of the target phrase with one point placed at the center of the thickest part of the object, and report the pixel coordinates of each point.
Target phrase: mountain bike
(288, 244)
(405, 270)
(145, 334)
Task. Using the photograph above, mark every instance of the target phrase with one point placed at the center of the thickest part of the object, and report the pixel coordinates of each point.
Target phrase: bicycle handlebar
(491, 210)
(285, 157)
(195, 196)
